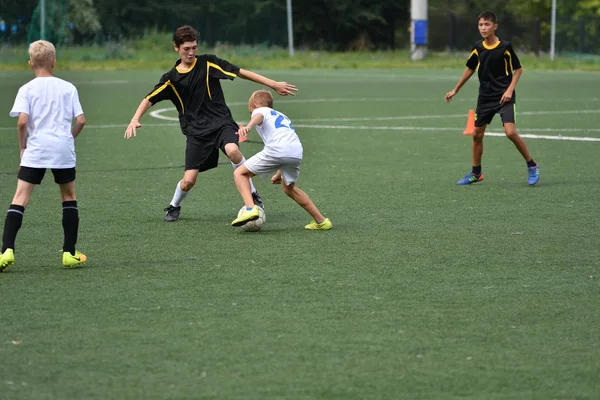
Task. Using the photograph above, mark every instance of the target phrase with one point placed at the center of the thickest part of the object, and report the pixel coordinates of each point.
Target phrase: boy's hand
(276, 179)
(450, 95)
(506, 97)
(130, 131)
(243, 131)
(285, 89)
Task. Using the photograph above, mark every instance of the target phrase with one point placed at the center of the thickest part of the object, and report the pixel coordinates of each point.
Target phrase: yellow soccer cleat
(7, 259)
(73, 261)
(247, 216)
(323, 226)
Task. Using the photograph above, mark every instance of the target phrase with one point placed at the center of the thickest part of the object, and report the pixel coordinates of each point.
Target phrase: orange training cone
(470, 129)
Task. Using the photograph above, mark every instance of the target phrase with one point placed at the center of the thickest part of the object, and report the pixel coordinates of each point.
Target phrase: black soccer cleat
(172, 214)
(258, 200)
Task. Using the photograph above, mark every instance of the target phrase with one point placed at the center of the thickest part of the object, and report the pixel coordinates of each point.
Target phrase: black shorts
(486, 110)
(202, 153)
(35, 175)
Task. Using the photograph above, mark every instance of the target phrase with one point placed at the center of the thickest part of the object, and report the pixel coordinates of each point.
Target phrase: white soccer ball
(254, 226)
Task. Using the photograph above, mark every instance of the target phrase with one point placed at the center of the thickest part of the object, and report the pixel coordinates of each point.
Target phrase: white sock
(252, 188)
(178, 196)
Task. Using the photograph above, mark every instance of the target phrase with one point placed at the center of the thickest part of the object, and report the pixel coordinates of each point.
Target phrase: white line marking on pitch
(390, 128)
(418, 128)
(159, 113)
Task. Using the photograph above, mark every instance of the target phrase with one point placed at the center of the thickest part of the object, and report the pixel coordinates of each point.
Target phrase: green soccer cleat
(73, 261)
(323, 226)
(247, 216)
(7, 259)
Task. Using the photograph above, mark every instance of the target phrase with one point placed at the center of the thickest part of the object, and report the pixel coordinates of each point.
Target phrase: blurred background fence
(336, 25)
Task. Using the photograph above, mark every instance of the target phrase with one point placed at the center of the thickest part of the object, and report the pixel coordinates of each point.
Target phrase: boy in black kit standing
(497, 61)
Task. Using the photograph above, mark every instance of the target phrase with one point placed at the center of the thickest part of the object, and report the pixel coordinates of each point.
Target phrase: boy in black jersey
(497, 61)
(194, 88)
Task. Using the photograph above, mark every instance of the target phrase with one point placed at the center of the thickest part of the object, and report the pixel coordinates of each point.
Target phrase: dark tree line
(318, 24)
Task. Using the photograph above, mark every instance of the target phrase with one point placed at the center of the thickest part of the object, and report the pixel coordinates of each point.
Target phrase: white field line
(419, 128)
(158, 114)
(114, 82)
(393, 128)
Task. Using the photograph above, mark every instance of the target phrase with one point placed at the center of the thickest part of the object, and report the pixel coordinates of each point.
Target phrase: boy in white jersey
(282, 155)
(45, 107)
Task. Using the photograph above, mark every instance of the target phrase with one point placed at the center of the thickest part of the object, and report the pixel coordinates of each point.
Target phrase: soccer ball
(254, 226)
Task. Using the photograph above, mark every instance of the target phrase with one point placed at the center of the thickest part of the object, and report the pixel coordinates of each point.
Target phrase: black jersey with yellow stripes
(197, 94)
(496, 65)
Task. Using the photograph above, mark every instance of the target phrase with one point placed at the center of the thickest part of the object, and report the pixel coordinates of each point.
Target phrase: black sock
(531, 163)
(14, 219)
(70, 223)
(476, 169)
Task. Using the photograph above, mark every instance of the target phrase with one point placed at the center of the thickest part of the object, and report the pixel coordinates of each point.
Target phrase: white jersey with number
(278, 135)
(51, 104)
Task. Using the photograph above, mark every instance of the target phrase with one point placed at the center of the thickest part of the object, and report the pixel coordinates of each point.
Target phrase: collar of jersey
(185, 71)
(486, 46)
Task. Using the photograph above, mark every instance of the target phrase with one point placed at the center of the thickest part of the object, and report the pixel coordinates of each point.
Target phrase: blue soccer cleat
(534, 175)
(470, 178)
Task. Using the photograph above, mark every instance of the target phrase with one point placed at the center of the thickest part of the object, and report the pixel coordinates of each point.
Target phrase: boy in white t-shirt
(281, 155)
(45, 107)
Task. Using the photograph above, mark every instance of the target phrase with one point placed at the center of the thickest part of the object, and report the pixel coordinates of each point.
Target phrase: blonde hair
(262, 98)
(42, 53)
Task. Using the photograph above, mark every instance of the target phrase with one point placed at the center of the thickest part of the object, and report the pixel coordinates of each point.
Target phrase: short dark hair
(184, 34)
(488, 16)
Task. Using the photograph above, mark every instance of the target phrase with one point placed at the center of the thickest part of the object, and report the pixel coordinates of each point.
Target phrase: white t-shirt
(51, 104)
(277, 133)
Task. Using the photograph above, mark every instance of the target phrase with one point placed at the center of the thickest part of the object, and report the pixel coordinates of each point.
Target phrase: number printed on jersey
(282, 121)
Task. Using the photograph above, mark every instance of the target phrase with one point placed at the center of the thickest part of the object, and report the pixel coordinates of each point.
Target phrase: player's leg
(70, 217)
(290, 172)
(510, 130)
(200, 155)
(229, 145)
(242, 176)
(27, 179)
(182, 189)
(319, 221)
(483, 117)
(508, 115)
(259, 164)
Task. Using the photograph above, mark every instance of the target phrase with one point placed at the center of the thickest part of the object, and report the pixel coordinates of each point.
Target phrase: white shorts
(264, 165)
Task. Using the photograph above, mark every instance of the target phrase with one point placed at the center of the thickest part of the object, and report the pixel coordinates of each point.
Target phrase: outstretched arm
(282, 88)
(466, 75)
(135, 121)
(257, 119)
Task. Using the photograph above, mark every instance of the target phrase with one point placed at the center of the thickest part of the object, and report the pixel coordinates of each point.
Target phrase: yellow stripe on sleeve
(507, 53)
(160, 89)
(476, 53)
(208, 65)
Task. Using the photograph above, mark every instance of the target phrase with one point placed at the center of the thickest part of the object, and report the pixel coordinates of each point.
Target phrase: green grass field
(423, 289)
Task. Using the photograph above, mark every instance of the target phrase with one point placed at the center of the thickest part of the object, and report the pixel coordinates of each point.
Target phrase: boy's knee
(511, 134)
(288, 189)
(240, 172)
(478, 134)
(187, 184)
(233, 152)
